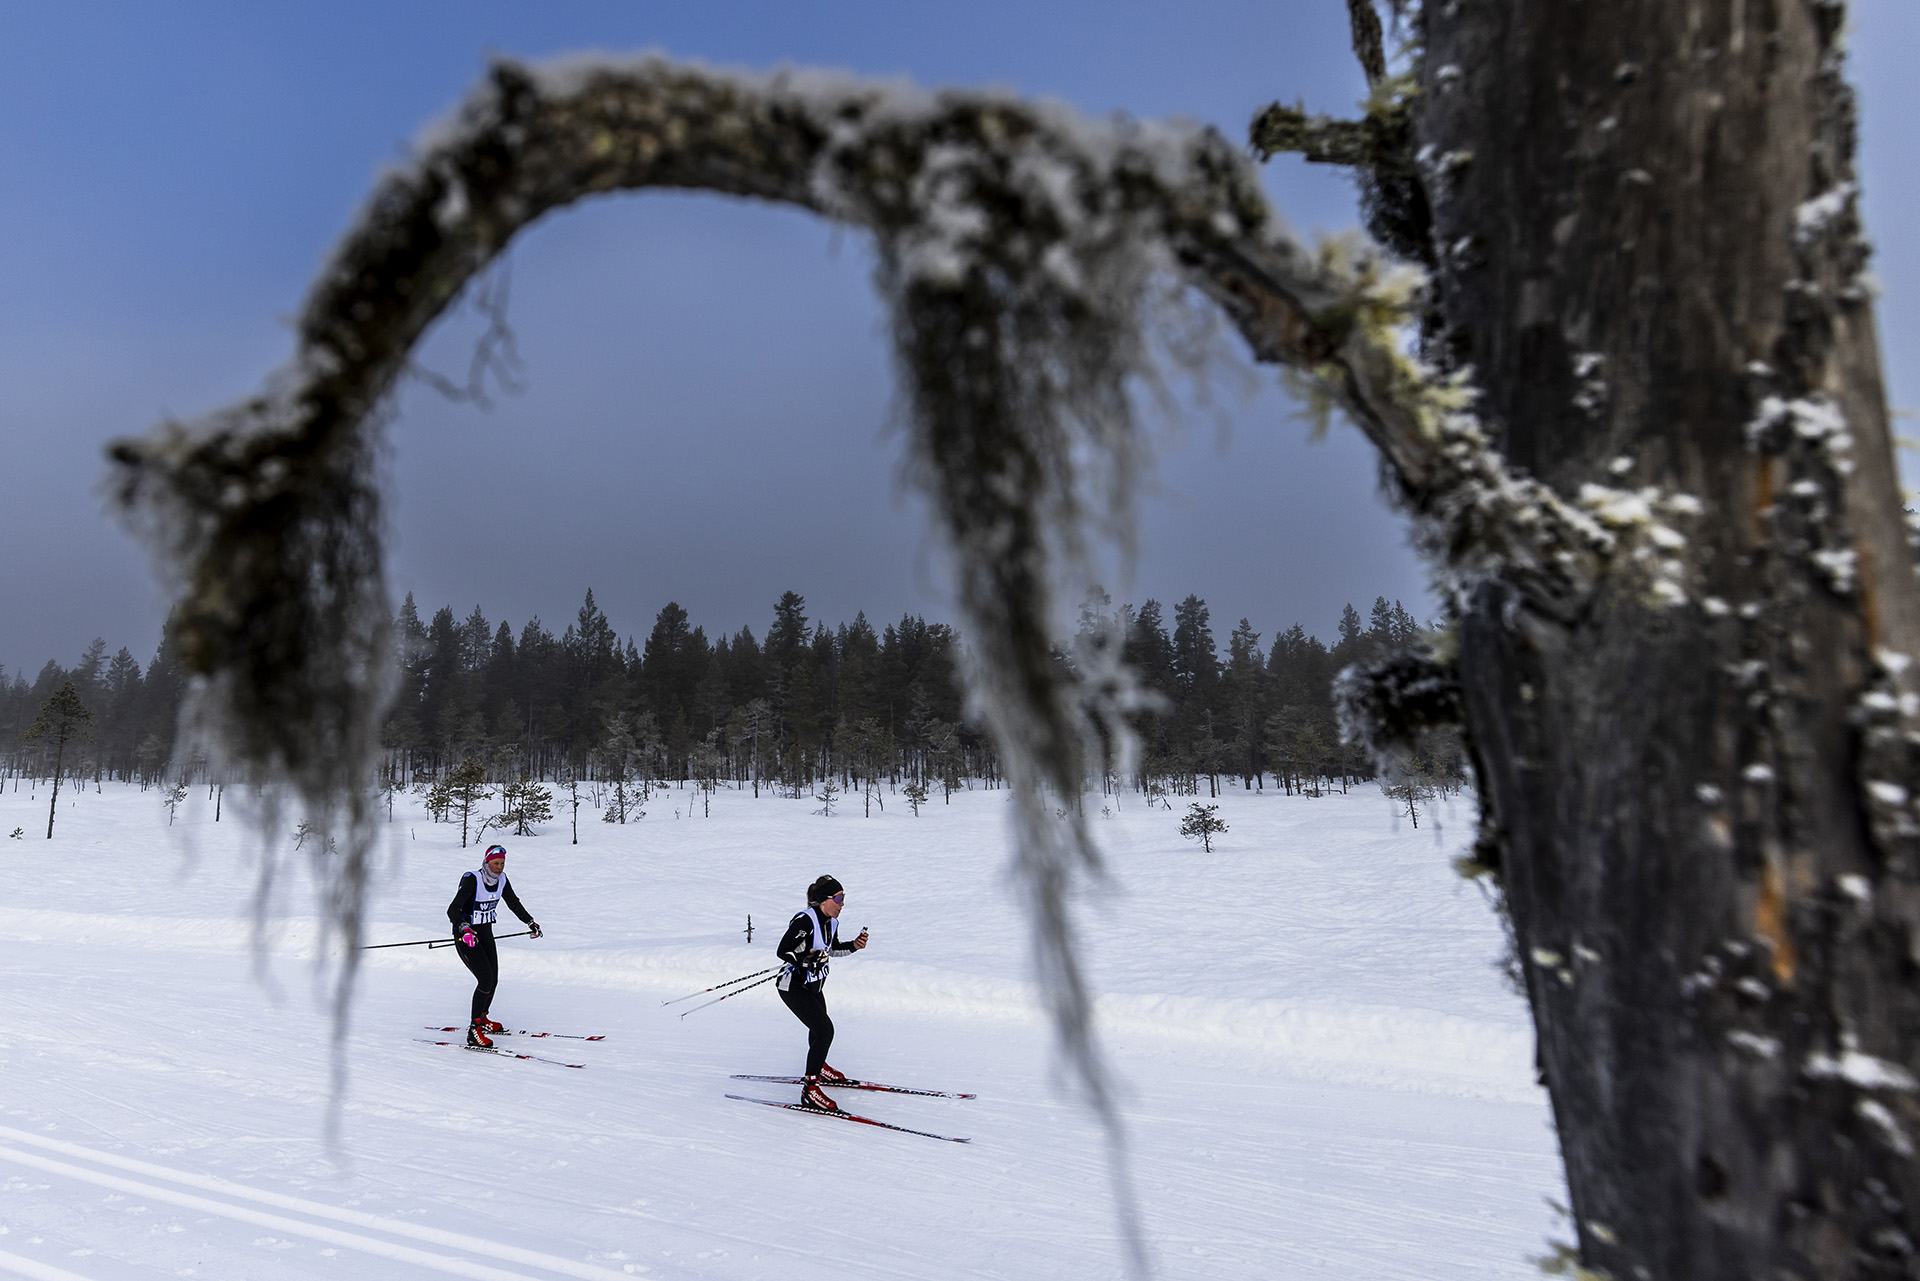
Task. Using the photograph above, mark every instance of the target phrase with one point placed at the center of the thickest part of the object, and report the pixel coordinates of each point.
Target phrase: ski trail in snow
(37, 1270)
(315, 1209)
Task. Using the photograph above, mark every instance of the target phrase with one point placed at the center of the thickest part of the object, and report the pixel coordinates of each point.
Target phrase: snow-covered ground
(1325, 1074)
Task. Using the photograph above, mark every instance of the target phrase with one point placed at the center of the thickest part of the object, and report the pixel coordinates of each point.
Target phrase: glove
(533, 929)
(467, 937)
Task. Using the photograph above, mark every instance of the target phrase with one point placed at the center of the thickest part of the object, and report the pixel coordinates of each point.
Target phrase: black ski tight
(809, 1005)
(484, 960)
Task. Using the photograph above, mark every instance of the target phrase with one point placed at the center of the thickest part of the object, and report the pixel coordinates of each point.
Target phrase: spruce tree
(1202, 823)
(1245, 699)
(466, 788)
(63, 718)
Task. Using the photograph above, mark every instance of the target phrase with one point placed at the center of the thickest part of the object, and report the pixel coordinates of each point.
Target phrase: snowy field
(1325, 1074)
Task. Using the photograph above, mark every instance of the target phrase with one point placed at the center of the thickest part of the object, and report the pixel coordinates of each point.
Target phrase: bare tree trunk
(59, 755)
(1647, 251)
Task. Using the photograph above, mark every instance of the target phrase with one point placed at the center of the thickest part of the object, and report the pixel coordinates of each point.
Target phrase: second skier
(811, 940)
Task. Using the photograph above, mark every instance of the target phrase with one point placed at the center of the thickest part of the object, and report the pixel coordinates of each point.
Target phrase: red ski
(506, 1054)
(848, 1116)
(851, 1084)
(564, 1036)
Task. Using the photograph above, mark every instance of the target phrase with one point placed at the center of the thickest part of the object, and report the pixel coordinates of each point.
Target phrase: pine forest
(835, 713)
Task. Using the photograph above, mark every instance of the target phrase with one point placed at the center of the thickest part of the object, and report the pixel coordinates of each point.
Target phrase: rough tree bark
(1698, 781)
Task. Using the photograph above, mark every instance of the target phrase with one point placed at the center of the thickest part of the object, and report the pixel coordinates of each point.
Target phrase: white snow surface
(1324, 1074)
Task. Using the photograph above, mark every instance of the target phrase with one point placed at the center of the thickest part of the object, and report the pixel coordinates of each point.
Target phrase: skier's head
(826, 894)
(495, 859)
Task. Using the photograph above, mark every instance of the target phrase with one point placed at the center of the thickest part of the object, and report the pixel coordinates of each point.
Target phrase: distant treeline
(806, 704)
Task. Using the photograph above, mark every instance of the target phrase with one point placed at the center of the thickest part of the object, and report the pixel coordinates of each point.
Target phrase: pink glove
(467, 938)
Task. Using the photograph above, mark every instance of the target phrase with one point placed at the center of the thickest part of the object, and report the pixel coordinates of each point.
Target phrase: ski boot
(488, 1025)
(477, 1035)
(812, 1096)
(831, 1075)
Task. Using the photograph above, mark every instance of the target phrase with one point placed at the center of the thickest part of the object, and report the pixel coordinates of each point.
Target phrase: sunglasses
(841, 898)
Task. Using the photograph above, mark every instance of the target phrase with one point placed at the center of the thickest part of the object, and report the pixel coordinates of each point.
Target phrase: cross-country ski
(839, 1115)
(848, 1083)
(502, 1031)
(502, 1052)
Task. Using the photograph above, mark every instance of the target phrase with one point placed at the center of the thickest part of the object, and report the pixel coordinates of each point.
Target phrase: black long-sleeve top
(462, 906)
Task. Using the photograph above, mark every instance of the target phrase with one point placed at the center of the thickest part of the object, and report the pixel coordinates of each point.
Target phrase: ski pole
(433, 943)
(737, 991)
(717, 986)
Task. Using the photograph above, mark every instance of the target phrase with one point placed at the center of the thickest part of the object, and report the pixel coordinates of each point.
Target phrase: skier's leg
(809, 1005)
(819, 1038)
(483, 959)
(795, 1001)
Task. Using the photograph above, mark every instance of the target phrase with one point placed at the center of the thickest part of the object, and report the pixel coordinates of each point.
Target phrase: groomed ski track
(1324, 1076)
(295, 1216)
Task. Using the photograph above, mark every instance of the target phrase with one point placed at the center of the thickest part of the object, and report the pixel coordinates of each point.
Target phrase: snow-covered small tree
(1202, 823)
(916, 794)
(1406, 788)
(172, 798)
(524, 805)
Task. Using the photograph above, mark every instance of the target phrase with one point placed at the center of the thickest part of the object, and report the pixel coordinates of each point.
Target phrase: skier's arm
(513, 901)
(460, 911)
(794, 943)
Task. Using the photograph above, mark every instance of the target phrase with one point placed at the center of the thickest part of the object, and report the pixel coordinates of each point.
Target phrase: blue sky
(708, 401)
